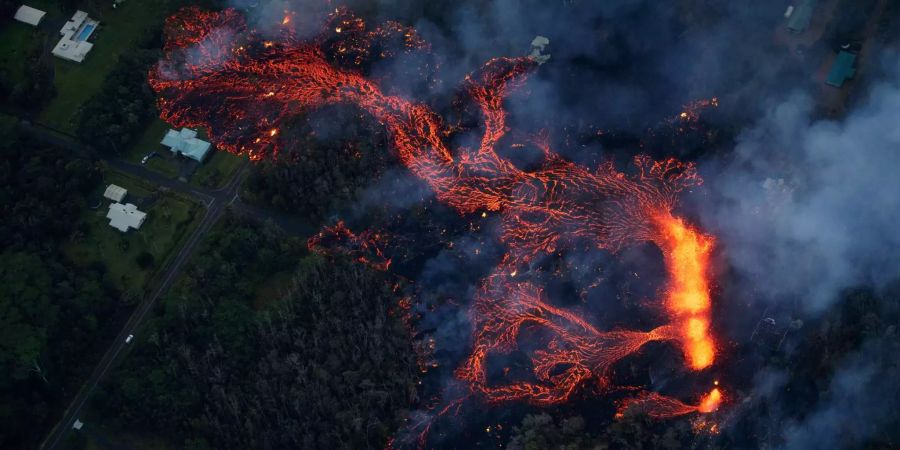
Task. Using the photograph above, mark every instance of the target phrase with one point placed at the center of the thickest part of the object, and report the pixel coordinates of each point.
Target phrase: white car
(145, 159)
(129, 338)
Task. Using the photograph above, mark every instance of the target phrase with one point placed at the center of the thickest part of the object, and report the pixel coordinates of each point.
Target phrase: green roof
(802, 16)
(841, 70)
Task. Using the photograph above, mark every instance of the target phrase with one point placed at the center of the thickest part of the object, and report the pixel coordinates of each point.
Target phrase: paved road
(215, 202)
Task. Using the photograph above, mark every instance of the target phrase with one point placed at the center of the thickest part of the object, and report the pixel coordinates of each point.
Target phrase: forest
(112, 119)
(262, 345)
(53, 314)
(333, 155)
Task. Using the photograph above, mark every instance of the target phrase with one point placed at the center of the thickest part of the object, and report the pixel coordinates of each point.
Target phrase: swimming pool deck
(74, 46)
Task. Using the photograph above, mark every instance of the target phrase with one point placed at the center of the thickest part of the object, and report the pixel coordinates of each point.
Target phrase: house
(29, 15)
(538, 46)
(842, 69)
(801, 16)
(115, 193)
(122, 217)
(185, 142)
(74, 45)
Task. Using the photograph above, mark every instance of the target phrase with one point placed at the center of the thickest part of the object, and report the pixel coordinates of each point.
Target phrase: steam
(805, 208)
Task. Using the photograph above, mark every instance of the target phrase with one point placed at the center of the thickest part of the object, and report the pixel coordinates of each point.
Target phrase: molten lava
(662, 407)
(241, 87)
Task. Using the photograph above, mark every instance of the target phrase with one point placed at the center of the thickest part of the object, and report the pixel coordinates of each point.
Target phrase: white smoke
(805, 208)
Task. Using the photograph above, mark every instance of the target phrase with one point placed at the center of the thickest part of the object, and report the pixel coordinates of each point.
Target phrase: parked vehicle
(129, 338)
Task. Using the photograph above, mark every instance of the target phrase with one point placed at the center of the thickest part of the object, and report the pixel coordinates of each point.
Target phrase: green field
(213, 173)
(217, 169)
(169, 220)
(118, 32)
(15, 41)
(149, 142)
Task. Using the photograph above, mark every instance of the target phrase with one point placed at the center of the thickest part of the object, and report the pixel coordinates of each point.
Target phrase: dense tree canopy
(113, 118)
(333, 154)
(230, 362)
(52, 314)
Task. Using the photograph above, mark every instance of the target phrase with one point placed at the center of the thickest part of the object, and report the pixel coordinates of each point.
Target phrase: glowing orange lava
(687, 257)
(241, 87)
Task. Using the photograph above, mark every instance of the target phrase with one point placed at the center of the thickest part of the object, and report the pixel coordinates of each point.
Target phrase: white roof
(538, 45)
(540, 41)
(115, 193)
(74, 45)
(187, 143)
(29, 15)
(122, 217)
(75, 22)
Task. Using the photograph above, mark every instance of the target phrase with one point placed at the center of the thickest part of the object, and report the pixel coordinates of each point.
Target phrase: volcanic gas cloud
(219, 74)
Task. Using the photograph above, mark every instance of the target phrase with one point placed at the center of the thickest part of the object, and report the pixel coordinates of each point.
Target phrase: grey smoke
(805, 208)
(861, 399)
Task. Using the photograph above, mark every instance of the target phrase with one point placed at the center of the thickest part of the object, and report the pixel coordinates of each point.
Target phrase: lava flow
(241, 86)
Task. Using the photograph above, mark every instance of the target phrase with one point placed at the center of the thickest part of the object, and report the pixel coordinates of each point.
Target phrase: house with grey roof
(186, 142)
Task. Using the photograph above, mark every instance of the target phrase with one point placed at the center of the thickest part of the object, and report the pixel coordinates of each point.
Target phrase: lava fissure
(241, 87)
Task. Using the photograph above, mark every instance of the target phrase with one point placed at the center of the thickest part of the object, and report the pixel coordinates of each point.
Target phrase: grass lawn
(217, 169)
(118, 31)
(15, 40)
(169, 219)
(149, 142)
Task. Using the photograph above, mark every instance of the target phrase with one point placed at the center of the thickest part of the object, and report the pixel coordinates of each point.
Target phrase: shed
(842, 69)
(29, 15)
(115, 193)
(801, 16)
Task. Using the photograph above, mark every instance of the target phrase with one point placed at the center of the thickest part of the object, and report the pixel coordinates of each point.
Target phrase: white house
(74, 45)
(538, 46)
(115, 193)
(29, 15)
(186, 143)
(122, 217)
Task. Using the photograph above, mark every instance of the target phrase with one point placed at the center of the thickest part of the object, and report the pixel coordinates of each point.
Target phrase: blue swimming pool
(85, 32)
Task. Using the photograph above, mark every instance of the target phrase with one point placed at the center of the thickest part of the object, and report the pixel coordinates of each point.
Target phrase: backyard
(212, 173)
(119, 31)
(169, 219)
(16, 39)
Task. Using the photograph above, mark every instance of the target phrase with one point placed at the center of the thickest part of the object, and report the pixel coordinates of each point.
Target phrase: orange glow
(662, 407)
(557, 207)
(687, 253)
(710, 402)
(286, 20)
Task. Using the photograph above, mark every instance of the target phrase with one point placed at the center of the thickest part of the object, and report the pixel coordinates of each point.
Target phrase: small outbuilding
(842, 69)
(123, 217)
(801, 16)
(115, 193)
(538, 48)
(29, 15)
(186, 142)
